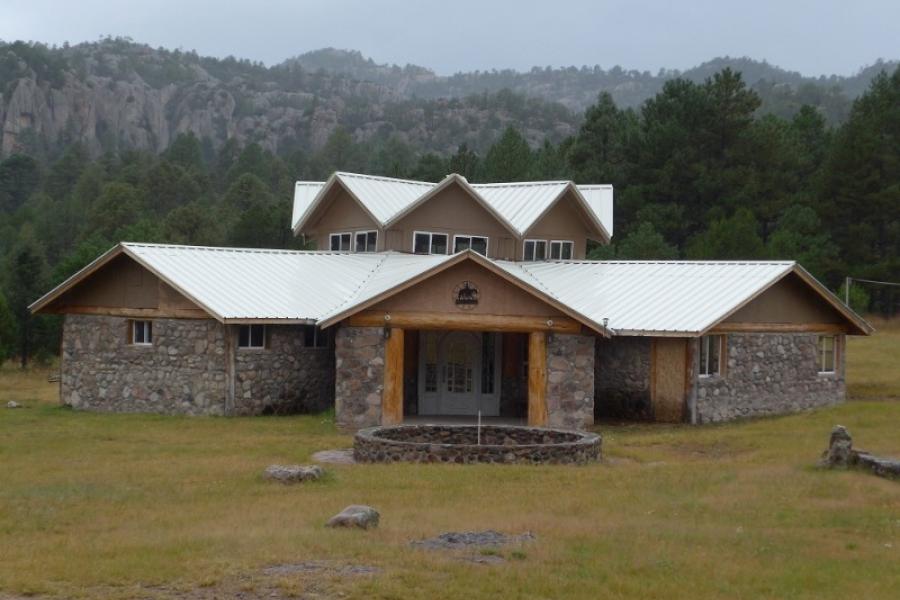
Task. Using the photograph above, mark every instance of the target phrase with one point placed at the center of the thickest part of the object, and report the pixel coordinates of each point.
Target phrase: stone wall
(359, 376)
(769, 374)
(570, 381)
(622, 378)
(182, 372)
(285, 377)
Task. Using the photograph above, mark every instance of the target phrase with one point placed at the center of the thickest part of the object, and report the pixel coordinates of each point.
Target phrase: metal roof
(519, 205)
(624, 297)
(652, 298)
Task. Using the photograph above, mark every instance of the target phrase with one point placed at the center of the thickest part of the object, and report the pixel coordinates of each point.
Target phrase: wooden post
(537, 379)
(392, 397)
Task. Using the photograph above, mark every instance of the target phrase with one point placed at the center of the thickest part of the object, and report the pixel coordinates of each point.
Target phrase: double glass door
(458, 373)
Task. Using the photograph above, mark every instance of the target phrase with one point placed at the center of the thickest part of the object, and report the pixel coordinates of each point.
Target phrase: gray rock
(355, 515)
(840, 448)
(455, 540)
(13, 404)
(294, 473)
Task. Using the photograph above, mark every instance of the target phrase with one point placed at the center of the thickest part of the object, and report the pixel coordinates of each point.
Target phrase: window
(339, 242)
(561, 250)
(710, 355)
(365, 241)
(535, 250)
(142, 333)
(252, 336)
(425, 242)
(313, 337)
(825, 354)
(476, 243)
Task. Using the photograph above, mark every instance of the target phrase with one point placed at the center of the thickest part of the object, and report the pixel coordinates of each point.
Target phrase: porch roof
(622, 298)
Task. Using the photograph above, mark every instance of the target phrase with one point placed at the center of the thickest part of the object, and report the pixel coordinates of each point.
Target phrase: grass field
(123, 506)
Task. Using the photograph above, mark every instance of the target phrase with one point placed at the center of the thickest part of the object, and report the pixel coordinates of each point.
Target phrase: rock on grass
(355, 515)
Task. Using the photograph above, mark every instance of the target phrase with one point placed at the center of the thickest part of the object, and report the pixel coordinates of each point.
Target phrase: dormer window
(426, 242)
(365, 241)
(561, 249)
(476, 243)
(535, 250)
(339, 242)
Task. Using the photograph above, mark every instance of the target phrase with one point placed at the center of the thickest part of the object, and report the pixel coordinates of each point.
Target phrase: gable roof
(518, 206)
(665, 298)
(644, 298)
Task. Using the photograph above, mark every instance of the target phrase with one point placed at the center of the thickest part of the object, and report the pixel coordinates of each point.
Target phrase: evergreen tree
(465, 162)
(20, 176)
(732, 238)
(27, 273)
(601, 150)
(510, 159)
(645, 243)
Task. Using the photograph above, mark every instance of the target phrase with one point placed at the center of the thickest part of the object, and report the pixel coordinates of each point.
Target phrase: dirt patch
(320, 566)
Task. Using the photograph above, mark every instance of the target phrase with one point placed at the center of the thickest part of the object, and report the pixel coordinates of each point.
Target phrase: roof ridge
(522, 183)
(302, 182)
(384, 178)
(235, 250)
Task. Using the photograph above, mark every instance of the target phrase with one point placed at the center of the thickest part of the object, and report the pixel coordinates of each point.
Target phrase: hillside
(116, 95)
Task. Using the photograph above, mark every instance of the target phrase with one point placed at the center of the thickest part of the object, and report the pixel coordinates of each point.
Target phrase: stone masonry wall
(570, 381)
(622, 378)
(768, 374)
(359, 376)
(182, 372)
(285, 377)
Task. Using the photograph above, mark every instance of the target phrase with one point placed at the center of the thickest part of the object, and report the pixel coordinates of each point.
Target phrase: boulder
(294, 473)
(840, 449)
(355, 515)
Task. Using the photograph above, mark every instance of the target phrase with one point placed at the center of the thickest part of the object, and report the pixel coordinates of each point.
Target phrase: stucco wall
(768, 374)
(285, 377)
(183, 372)
(622, 378)
(359, 376)
(570, 381)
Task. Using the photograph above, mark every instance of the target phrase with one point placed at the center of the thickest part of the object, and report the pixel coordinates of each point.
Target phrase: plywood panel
(669, 359)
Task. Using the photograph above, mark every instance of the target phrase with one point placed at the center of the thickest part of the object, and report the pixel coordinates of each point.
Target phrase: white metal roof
(644, 298)
(625, 298)
(519, 204)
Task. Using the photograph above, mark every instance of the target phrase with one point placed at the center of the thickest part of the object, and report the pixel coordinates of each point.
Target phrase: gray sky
(813, 37)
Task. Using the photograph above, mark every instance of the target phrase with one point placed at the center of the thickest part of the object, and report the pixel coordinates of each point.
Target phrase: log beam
(392, 396)
(133, 313)
(537, 379)
(464, 321)
(779, 328)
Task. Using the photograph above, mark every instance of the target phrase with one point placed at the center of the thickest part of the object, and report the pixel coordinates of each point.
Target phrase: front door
(453, 368)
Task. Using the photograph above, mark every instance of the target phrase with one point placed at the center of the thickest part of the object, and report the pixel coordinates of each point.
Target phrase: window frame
(487, 242)
(526, 258)
(721, 346)
(250, 345)
(821, 367)
(561, 245)
(355, 243)
(430, 235)
(340, 234)
(146, 326)
(320, 339)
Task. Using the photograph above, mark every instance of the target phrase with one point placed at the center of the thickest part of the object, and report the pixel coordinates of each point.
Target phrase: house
(426, 300)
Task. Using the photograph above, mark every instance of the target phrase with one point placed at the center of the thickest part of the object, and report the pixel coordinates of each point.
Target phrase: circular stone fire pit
(459, 444)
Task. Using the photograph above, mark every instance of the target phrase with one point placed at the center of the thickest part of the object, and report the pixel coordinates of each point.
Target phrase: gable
(452, 209)
(789, 301)
(564, 220)
(496, 296)
(124, 287)
(338, 211)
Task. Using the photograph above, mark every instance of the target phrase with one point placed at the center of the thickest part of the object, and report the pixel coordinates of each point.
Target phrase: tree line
(697, 176)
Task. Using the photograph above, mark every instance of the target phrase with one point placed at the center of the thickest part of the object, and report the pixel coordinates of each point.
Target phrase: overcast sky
(813, 37)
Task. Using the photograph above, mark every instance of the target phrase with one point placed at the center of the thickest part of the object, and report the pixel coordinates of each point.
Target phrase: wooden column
(392, 396)
(537, 379)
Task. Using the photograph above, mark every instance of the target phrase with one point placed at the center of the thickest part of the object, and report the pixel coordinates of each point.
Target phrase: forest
(699, 173)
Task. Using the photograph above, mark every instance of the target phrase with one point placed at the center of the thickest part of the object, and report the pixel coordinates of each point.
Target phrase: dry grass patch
(137, 506)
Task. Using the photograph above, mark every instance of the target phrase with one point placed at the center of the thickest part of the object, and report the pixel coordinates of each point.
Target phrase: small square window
(535, 250)
(365, 241)
(430, 243)
(339, 242)
(252, 336)
(561, 250)
(142, 333)
(475, 243)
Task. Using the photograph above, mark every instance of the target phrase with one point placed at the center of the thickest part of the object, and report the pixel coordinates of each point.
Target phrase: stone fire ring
(503, 444)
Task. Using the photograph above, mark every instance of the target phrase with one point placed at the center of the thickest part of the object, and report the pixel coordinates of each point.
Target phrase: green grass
(121, 506)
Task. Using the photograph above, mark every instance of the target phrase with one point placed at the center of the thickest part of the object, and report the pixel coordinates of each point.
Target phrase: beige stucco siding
(338, 213)
(789, 301)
